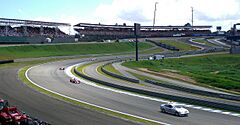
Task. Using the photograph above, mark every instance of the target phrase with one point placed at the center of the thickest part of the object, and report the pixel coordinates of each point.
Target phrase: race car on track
(10, 115)
(61, 68)
(174, 109)
(74, 80)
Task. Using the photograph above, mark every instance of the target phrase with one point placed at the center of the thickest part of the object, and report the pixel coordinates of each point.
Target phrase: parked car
(158, 57)
(174, 109)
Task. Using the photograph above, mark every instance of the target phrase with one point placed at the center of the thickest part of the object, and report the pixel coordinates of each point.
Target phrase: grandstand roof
(102, 26)
(6, 21)
(142, 27)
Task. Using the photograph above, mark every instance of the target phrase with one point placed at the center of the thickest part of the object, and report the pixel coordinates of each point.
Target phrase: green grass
(110, 68)
(29, 51)
(203, 41)
(4, 57)
(152, 51)
(82, 67)
(22, 64)
(222, 71)
(180, 45)
(143, 77)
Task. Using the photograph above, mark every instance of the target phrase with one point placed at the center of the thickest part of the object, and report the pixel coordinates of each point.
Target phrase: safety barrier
(195, 91)
(6, 61)
(118, 76)
(206, 103)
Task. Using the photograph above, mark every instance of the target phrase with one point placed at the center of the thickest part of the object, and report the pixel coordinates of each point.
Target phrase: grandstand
(28, 31)
(101, 31)
(234, 34)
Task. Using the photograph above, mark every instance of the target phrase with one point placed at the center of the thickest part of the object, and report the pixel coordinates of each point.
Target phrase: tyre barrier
(6, 61)
(195, 91)
(118, 76)
(188, 100)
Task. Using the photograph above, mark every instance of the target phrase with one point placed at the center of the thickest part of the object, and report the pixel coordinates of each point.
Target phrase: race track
(47, 108)
(49, 76)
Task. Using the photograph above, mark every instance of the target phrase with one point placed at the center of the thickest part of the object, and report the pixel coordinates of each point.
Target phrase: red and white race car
(74, 80)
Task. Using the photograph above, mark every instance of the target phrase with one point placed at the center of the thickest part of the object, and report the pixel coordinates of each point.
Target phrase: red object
(75, 81)
(11, 114)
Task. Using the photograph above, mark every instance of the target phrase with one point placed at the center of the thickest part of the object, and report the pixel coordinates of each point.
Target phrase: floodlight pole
(192, 16)
(154, 16)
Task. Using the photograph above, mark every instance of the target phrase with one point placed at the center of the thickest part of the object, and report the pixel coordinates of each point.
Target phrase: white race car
(174, 109)
(75, 81)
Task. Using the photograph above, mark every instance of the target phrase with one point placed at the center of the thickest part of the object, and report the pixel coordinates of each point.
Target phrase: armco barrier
(6, 61)
(119, 76)
(195, 91)
(217, 105)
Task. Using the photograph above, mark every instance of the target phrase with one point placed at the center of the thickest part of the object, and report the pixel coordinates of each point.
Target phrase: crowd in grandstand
(128, 33)
(102, 31)
(31, 31)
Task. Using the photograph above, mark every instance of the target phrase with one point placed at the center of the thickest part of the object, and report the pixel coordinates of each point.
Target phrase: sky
(223, 13)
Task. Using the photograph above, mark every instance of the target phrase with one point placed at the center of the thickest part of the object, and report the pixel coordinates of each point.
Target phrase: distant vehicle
(74, 80)
(93, 59)
(158, 57)
(61, 68)
(150, 58)
(131, 40)
(179, 35)
(174, 109)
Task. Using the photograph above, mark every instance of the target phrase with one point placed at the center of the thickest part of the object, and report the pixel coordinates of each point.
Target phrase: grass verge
(143, 78)
(34, 51)
(180, 45)
(221, 71)
(152, 51)
(110, 68)
(203, 41)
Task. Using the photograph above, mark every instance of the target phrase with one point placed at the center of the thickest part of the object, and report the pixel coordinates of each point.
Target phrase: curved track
(91, 71)
(50, 77)
(46, 108)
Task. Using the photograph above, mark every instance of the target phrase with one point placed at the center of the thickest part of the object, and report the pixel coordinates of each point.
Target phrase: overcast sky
(169, 12)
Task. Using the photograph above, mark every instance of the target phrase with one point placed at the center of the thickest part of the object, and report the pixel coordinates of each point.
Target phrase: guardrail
(206, 103)
(195, 91)
(118, 76)
(6, 61)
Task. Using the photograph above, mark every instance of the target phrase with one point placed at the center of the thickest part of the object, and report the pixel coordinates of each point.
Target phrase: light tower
(154, 17)
(192, 16)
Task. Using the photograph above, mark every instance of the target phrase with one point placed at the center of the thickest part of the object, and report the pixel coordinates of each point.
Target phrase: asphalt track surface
(49, 76)
(47, 108)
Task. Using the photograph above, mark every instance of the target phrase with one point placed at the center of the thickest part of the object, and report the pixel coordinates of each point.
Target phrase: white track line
(69, 72)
